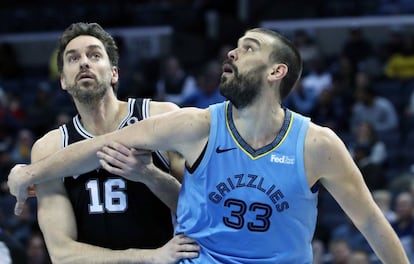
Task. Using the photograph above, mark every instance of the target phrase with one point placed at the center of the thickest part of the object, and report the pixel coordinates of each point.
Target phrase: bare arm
(184, 131)
(328, 160)
(57, 222)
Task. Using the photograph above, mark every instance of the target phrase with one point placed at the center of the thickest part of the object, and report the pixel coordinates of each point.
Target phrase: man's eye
(249, 49)
(72, 59)
(96, 56)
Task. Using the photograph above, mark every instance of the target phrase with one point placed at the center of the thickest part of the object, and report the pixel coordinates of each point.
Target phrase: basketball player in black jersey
(99, 216)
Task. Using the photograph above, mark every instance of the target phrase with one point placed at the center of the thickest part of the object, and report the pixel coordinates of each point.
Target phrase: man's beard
(242, 90)
(88, 95)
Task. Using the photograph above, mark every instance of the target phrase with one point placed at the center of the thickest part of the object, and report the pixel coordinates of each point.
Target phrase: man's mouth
(86, 76)
(227, 69)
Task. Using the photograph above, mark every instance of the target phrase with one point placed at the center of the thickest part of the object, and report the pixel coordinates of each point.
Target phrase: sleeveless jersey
(111, 211)
(249, 206)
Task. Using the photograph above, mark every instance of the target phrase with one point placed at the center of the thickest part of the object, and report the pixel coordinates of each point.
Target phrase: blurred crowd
(365, 93)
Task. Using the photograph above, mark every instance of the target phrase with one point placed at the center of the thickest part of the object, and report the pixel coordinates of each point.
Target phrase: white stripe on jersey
(145, 115)
(64, 136)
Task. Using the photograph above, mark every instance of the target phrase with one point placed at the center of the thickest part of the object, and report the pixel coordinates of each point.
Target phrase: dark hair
(284, 52)
(88, 29)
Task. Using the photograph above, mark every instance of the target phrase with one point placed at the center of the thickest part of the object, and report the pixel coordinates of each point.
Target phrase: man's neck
(259, 124)
(102, 117)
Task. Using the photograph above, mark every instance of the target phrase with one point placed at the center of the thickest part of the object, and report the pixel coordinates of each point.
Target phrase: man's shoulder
(157, 108)
(48, 144)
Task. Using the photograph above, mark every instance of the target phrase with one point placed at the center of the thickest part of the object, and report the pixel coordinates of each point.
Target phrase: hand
(18, 186)
(132, 164)
(179, 247)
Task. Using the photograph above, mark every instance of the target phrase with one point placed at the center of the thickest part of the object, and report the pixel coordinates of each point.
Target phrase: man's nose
(84, 62)
(232, 54)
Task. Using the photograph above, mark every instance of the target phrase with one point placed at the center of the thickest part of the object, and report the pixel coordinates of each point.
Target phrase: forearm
(165, 187)
(84, 253)
(384, 241)
(74, 159)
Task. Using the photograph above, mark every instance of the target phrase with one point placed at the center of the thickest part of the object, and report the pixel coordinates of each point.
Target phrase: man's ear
(62, 82)
(277, 72)
(115, 75)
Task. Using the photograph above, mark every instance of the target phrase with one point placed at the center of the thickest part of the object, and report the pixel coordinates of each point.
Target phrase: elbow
(63, 253)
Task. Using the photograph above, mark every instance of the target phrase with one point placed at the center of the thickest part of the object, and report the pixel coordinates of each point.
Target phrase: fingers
(18, 208)
(117, 147)
(116, 150)
(186, 244)
(110, 160)
(110, 168)
(188, 255)
(188, 250)
(183, 239)
(31, 191)
(141, 151)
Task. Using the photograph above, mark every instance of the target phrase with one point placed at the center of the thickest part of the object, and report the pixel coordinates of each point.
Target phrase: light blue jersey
(249, 206)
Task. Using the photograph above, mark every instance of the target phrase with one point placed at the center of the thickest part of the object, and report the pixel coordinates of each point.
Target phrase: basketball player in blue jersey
(98, 216)
(249, 193)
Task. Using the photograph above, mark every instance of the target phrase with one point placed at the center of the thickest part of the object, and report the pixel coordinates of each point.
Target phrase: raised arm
(184, 131)
(328, 160)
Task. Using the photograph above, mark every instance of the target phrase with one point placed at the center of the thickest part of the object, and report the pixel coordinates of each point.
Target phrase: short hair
(88, 29)
(284, 51)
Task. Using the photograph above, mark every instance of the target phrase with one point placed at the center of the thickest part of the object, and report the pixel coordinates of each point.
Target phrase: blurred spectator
(383, 198)
(343, 71)
(329, 111)
(307, 47)
(9, 122)
(359, 257)
(174, 83)
(393, 44)
(301, 99)
(353, 237)
(21, 148)
(319, 77)
(369, 107)
(15, 107)
(11, 250)
(370, 155)
(343, 91)
(21, 226)
(408, 244)
(400, 65)
(41, 113)
(404, 222)
(7, 203)
(36, 249)
(339, 251)
(357, 48)
(208, 91)
(365, 136)
(318, 249)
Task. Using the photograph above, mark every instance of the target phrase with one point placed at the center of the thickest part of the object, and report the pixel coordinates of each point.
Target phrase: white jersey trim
(146, 114)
